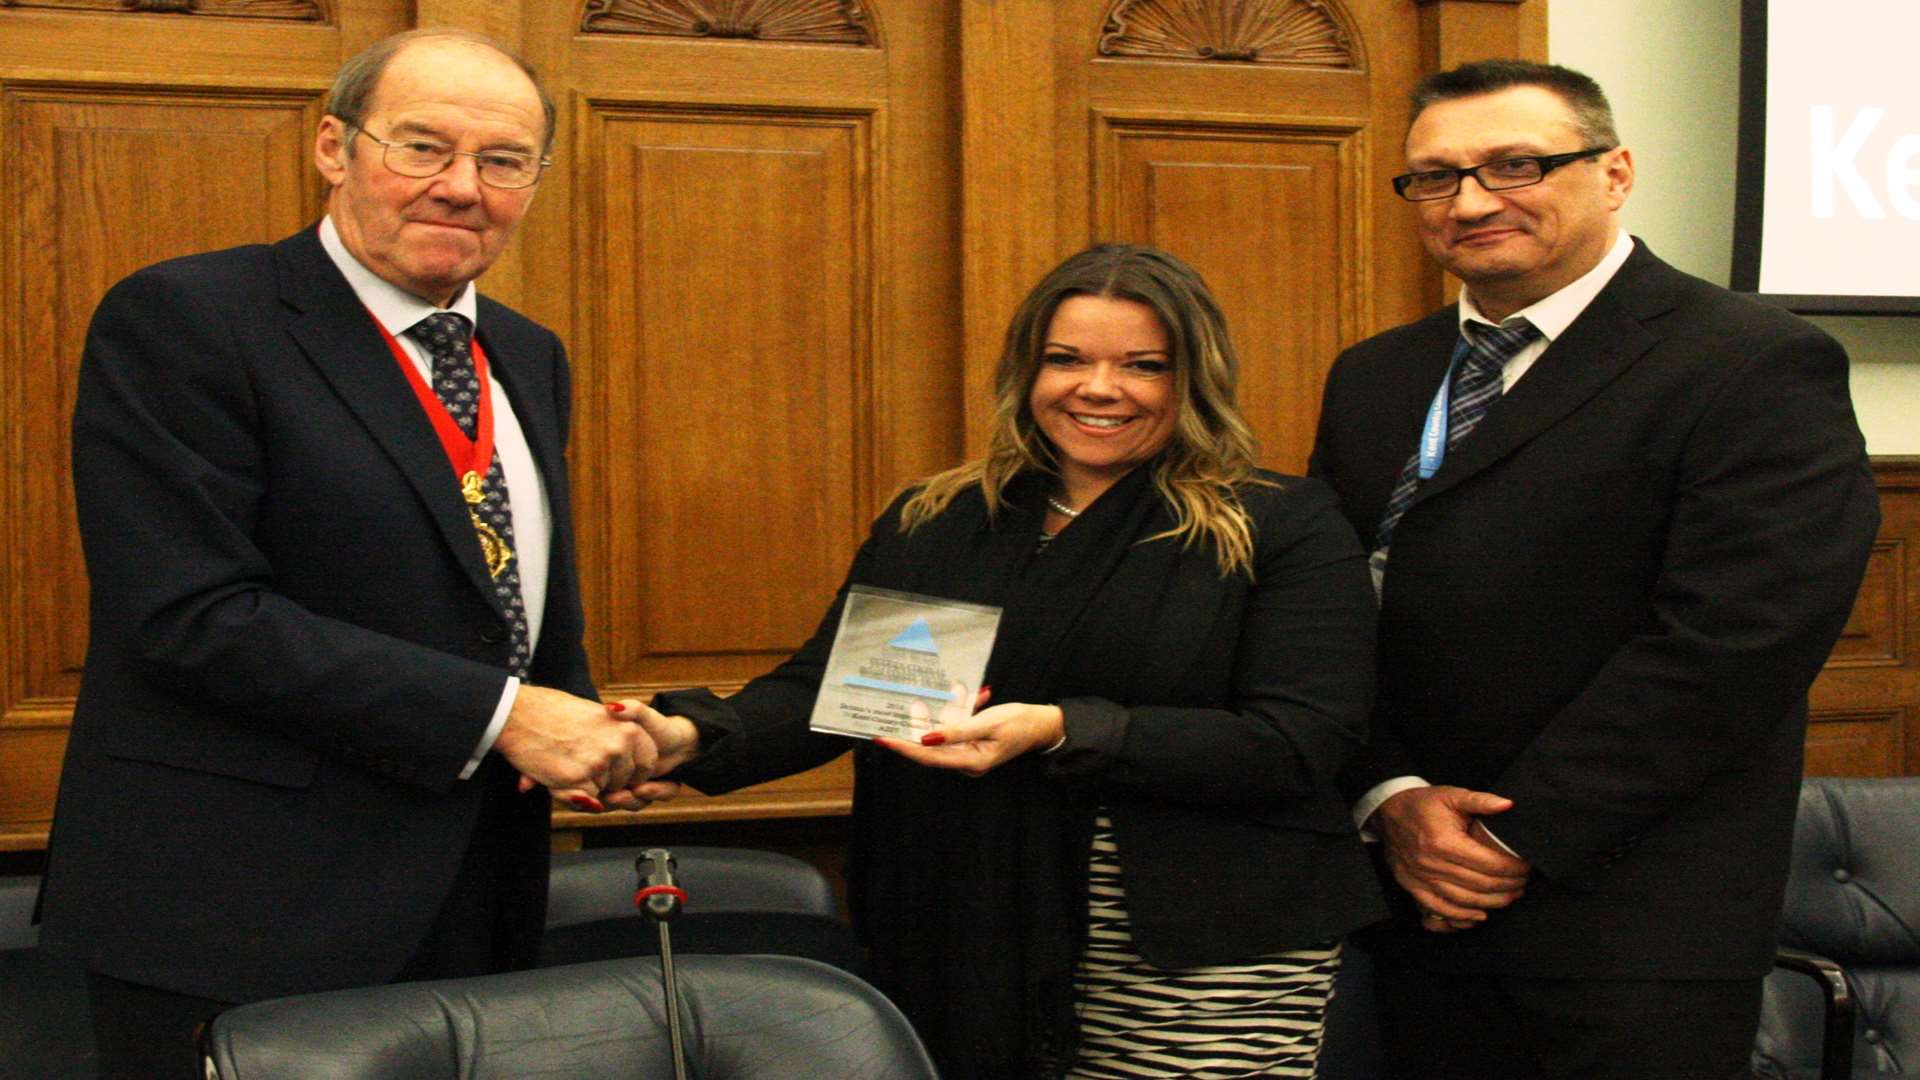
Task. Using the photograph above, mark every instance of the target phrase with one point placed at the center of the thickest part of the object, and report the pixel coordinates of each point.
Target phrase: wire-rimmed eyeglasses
(1502, 175)
(421, 158)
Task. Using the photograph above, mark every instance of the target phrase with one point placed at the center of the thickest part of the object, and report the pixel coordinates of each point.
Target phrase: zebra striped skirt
(1260, 1018)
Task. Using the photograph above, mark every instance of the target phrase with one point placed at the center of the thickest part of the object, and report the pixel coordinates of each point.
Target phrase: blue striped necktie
(1477, 384)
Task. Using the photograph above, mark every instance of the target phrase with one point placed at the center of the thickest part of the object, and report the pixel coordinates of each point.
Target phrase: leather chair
(738, 901)
(742, 1018)
(1845, 1000)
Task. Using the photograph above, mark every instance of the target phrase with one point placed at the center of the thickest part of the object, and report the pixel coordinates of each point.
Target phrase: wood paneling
(92, 160)
(753, 258)
(1865, 706)
(1288, 273)
(745, 505)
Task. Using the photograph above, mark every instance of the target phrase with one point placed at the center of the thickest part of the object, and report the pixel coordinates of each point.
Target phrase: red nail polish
(585, 802)
(614, 706)
(933, 738)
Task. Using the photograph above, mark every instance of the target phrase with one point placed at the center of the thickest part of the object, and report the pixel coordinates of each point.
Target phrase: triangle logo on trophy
(910, 664)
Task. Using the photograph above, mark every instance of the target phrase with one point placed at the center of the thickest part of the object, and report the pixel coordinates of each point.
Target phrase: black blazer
(1607, 606)
(295, 646)
(1210, 715)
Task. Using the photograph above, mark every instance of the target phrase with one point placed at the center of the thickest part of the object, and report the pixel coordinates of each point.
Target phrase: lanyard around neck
(1433, 437)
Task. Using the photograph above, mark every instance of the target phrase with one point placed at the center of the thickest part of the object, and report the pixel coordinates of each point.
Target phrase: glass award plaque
(896, 650)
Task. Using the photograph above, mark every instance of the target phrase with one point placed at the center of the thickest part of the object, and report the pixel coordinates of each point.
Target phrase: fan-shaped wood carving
(829, 22)
(301, 10)
(1249, 31)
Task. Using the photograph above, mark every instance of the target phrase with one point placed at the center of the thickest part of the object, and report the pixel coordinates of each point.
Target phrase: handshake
(596, 757)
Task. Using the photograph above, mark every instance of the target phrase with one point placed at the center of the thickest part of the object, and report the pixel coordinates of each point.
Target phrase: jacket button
(494, 635)
(1842, 876)
(1872, 1035)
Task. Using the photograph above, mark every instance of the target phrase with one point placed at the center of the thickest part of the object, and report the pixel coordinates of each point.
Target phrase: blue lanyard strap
(1433, 438)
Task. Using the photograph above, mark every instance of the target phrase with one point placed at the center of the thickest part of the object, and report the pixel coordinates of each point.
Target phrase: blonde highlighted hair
(1212, 451)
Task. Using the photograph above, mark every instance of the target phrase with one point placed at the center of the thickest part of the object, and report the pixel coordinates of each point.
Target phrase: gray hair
(353, 87)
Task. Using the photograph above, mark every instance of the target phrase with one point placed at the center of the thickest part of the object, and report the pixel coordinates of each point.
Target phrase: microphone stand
(660, 899)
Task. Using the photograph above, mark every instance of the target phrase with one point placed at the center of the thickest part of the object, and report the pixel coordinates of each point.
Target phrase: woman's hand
(978, 744)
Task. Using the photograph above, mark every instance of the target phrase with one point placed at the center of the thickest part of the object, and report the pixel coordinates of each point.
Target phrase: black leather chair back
(738, 901)
(743, 1018)
(1854, 898)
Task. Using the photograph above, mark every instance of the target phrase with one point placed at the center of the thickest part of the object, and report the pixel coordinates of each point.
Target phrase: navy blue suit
(295, 645)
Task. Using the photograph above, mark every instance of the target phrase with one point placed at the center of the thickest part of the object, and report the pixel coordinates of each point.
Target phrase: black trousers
(1443, 1026)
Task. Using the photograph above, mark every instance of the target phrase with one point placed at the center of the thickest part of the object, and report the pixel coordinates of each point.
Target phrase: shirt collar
(397, 309)
(1552, 315)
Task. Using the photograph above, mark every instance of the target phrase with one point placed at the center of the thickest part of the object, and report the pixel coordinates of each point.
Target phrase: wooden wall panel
(96, 161)
(1865, 706)
(737, 471)
(1871, 743)
(1876, 627)
(792, 299)
(1270, 216)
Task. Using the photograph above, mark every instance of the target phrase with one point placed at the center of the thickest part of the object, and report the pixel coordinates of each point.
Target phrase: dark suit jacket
(1210, 715)
(295, 646)
(1607, 606)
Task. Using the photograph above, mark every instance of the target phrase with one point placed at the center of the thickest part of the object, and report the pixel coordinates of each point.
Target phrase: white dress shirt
(398, 310)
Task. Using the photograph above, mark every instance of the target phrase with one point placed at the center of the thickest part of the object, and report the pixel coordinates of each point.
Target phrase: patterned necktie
(447, 338)
(1477, 384)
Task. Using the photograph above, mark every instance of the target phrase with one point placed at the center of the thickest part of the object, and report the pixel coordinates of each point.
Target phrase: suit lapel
(1430, 351)
(1607, 338)
(340, 339)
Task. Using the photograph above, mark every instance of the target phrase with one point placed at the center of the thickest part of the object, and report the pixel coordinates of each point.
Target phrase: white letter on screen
(1901, 176)
(1835, 163)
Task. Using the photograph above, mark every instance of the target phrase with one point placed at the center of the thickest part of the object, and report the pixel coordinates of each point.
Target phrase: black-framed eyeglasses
(1502, 175)
(421, 158)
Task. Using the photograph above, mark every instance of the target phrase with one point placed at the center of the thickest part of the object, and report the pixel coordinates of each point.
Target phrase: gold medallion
(492, 547)
(473, 488)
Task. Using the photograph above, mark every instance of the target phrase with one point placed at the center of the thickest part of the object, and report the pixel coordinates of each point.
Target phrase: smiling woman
(1104, 393)
(1173, 619)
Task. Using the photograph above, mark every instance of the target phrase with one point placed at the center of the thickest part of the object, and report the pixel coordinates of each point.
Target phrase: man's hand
(676, 741)
(1441, 854)
(572, 745)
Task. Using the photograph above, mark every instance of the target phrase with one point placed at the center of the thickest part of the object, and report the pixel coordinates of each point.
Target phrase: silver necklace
(1062, 508)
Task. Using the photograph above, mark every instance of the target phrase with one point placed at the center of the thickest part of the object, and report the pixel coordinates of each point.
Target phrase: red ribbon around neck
(466, 455)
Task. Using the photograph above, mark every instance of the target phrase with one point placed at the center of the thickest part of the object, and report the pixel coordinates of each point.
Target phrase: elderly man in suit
(336, 626)
(1618, 516)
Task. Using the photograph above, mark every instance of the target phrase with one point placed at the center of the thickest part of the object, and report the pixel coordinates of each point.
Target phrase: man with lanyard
(336, 637)
(1619, 516)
